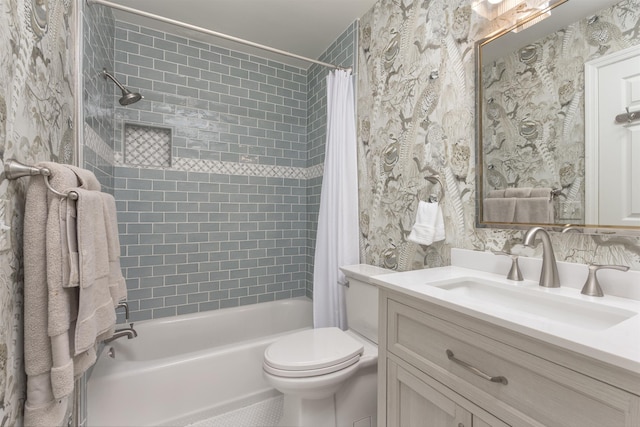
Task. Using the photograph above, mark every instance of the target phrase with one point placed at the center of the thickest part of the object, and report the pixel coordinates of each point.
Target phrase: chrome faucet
(124, 305)
(514, 273)
(549, 277)
(125, 332)
(591, 286)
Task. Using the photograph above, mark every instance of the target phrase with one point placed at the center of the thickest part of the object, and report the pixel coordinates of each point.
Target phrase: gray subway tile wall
(228, 223)
(98, 111)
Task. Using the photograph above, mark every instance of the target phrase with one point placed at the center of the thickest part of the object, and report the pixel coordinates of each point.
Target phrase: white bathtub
(190, 367)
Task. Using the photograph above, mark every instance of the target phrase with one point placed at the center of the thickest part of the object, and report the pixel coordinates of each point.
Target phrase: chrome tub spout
(124, 332)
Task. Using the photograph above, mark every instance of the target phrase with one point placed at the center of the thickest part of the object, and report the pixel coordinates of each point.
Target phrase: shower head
(128, 97)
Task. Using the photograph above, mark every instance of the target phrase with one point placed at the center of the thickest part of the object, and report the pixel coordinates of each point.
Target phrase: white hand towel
(429, 226)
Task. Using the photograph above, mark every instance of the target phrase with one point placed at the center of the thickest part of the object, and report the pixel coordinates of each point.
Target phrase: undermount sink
(532, 302)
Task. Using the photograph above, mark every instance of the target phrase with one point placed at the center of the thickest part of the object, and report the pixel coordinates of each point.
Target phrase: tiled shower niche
(147, 146)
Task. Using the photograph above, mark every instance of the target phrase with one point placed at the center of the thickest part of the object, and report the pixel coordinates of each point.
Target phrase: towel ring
(13, 169)
(435, 179)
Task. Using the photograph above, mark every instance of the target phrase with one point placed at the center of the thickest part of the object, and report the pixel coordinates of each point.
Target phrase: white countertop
(618, 345)
(363, 272)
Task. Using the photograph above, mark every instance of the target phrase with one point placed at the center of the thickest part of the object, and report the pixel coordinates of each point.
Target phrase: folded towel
(519, 205)
(520, 192)
(49, 309)
(495, 194)
(517, 192)
(87, 179)
(117, 284)
(96, 316)
(498, 209)
(62, 301)
(60, 326)
(429, 225)
(525, 210)
(95, 268)
(37, 348)
(534, 210)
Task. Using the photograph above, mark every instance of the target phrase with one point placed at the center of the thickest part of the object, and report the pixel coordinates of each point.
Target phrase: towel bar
(436, 179)
(13, 169)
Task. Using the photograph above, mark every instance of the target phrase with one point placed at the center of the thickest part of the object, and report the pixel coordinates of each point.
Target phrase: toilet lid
(313, 350)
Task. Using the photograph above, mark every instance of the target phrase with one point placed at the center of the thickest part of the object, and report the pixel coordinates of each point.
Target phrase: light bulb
(494, 1)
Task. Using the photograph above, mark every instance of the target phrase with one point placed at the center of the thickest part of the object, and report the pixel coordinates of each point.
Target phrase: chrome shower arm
(106, 74)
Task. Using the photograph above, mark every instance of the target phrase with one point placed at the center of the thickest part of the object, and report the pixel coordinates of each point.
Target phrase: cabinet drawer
(533, 388)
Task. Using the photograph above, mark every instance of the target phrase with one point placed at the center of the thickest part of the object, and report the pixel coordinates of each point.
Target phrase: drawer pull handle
(476, 371)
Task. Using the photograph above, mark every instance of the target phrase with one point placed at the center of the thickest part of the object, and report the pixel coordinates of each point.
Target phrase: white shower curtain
(338, 233)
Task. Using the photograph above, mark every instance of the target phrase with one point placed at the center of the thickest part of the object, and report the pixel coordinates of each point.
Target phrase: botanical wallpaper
(416, 119)
(534, 108)
(36, 104)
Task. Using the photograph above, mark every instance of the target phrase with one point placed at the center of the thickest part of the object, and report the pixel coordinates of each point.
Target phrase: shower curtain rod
(210, 32)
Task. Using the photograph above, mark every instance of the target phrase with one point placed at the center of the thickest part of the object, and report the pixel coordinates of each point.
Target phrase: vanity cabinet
(441, 368)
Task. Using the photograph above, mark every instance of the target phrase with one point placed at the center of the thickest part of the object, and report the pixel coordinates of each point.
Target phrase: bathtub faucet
(124, 332)
(124, 305)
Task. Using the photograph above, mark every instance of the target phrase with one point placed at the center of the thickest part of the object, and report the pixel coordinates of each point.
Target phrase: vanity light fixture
(510, 11)
(493, 9)
(541, 6)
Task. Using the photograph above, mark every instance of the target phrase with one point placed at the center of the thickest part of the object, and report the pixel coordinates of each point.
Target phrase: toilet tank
(361, 299)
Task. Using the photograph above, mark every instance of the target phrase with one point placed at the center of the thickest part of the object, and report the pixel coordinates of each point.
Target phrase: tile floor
(265, 413)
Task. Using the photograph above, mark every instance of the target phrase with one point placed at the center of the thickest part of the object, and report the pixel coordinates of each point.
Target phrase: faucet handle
(591, 286)
(514, 272)
(124, 305)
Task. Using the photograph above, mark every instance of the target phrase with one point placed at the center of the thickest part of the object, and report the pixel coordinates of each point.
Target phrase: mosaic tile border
(234, 168)
(315, 171)
(93, 141)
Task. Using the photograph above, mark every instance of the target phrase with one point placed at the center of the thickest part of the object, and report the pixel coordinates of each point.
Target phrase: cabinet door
(413, 403)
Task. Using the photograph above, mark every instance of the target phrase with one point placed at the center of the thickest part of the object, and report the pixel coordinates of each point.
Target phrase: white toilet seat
(310, 372)
(311, 353)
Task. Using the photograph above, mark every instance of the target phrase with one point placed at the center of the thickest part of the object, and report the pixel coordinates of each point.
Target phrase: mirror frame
(580, 228)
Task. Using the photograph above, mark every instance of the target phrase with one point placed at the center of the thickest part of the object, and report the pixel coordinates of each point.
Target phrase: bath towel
(534, 210)
(52, 294)
(86, 178)
(429, 225)
(498, 209)
(88, 181)
(528, 192)
(495, 194)
(62, 302)
(519, 205)
(96, 314)
(49, 308)
(97, 253)
(117, 284)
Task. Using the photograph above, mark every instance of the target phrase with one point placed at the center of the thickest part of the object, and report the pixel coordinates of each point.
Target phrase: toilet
(329, 376)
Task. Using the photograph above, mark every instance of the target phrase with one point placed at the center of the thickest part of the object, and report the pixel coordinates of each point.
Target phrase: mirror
(542, 157)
